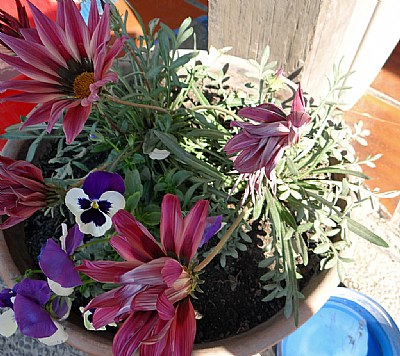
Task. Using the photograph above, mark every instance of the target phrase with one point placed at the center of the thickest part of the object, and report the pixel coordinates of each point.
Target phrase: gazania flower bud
(22, 191)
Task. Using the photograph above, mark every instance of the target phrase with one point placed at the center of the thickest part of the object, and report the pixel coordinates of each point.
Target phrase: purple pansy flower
(56, 264)
(213, 225)
(99, 199)
(26, 311)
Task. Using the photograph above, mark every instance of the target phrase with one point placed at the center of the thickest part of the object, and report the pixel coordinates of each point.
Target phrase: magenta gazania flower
(68, 62)
(22, 191)
(14, 26)
(261, 145)
(154, 282)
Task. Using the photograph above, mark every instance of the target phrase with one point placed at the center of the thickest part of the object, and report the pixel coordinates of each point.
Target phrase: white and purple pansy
(25, 305)
(55, 261)
(99, 199)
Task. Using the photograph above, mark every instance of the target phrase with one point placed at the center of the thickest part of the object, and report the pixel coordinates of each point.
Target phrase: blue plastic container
(349, 324)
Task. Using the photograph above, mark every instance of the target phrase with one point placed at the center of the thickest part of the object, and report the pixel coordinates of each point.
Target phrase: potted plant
(157, 190)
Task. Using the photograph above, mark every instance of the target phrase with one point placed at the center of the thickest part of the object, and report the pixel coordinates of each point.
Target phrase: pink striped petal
(101, 31)
(136, 328)
(11, 221)
(30, 34)
(272, 107)
(52, 36)
(28, 69)
(74, 121)
(171, 271)
(165, 308)
(32, 53)
(104, 316)
(155, 343)
(142, 245)
(106, 271)
(112, 53)
(94, 17)
(183, 329)
(108, 299)
(32, 97)
(298, 101)
(194, 225)
(57, 109)
(260, 114)
(146, 274)
(38, 115)
(30, 86)
(171, 221)
(76, 30)
(146, 300)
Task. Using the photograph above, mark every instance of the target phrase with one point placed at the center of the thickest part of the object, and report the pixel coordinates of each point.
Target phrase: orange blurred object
(170, 12)
(48, 7)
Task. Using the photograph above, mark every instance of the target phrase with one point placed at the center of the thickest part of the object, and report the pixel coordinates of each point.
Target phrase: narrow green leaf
(365, 233)
(185, 157)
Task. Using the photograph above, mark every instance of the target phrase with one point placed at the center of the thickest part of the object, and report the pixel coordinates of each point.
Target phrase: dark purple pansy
(32, 319)
(5, 298)
(61, 307)
(99, 199)
(56, 264)
(213, 225)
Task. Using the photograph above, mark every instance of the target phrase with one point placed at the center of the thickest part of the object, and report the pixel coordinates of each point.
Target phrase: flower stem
(225, 238)
(136, 105)
(93, 242)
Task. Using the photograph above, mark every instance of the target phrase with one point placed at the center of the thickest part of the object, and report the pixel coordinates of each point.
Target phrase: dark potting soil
(231, 302)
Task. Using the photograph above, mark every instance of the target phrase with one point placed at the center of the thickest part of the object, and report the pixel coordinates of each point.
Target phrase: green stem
(93, 242)
(136, 105)
(217, 108)
(222, 242)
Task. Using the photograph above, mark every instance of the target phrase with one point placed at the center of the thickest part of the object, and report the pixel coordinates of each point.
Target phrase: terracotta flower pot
(14, 259)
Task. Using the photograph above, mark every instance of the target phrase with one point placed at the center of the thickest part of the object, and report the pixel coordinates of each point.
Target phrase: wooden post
(310, 36)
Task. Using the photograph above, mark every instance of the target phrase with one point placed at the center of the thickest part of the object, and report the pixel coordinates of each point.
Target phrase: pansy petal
(115, 200)
(59, 337)
(36, 290)
(73, 239)
(61, 306)
(94, 222)
(73, 198)
(58, 289)
(32, 319)
(8, 325)
(99, 182)
(57, 266)
(213, 225)
(5, 298)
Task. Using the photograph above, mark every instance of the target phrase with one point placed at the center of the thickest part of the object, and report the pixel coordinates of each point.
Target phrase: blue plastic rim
(349, 324)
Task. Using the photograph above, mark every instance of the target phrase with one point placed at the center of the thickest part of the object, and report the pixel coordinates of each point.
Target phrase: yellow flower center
(95, 205)
(82, 85)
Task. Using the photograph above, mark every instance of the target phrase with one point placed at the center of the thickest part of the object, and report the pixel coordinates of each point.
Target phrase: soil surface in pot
(231, 302)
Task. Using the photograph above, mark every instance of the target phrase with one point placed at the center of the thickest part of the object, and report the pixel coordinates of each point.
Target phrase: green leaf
(365, 233)
(33, 147)
(182, 60)
(172, 145)
(341, 171)
(132, 202)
